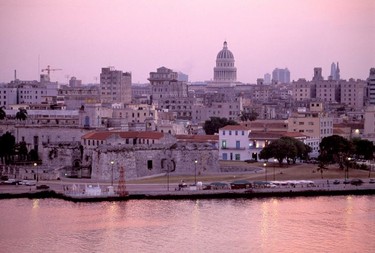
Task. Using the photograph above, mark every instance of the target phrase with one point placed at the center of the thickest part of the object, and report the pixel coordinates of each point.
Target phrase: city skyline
(81, 37)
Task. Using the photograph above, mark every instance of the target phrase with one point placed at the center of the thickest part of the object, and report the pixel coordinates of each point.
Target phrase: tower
(317, 74)
(225, 71)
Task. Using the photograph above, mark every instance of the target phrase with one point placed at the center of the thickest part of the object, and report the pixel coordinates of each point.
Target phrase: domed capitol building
(225, 73)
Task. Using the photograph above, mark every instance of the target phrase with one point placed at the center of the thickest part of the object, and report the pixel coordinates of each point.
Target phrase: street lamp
(369, 169)
(195, 172)
(112, 162)
(265, 170)
(168, 176)
(37, 174)
(347, 169)
(274, 165)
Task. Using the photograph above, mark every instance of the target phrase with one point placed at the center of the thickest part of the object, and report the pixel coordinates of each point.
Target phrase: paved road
(59, 186)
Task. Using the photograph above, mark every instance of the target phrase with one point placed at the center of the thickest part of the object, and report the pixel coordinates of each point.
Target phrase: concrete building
(317, 74)
(369, 124)
(314, 123)
(267, 78)
(230, 110)
(371, 86)
(281, 75)
(74, 82)
(303, 90)
(352, 93)
(328, 91)
(73, 97)
(164, 84)
(28, 92)
(115, 86)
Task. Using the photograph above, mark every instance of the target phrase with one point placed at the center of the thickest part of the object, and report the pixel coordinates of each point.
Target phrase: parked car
(336, 182)
(12, 181)
(372, 181)
(346, 181)
(356, 182)
(42, 187)
(28, 182)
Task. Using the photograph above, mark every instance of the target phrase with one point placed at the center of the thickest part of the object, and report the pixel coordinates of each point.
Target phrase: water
(319, 224)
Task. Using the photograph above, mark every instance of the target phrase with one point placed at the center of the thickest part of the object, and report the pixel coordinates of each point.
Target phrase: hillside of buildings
(95, 130)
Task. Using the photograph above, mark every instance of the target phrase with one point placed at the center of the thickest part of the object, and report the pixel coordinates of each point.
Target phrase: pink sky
(81, 37)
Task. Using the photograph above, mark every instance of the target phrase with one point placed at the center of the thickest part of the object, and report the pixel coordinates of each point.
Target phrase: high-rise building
(281, 75)
(335, 72)
(164, 83)
(371, 86)
(267, 78)
(225, 71)
(115, 86)
(74, 82)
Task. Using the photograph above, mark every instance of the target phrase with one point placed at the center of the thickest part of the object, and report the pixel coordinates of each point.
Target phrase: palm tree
(2, 113)
(21, 114)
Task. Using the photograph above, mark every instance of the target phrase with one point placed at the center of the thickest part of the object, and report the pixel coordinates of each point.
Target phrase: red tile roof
(198, 138)
(274, 135)
(235, 127)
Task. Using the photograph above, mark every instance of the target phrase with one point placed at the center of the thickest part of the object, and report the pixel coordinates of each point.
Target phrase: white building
(234, 143)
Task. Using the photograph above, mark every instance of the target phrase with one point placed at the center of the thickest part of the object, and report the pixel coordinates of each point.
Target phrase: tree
(2, 113)
(251, 116)
(364, 149)
(7, 144)
(213, 125)
(21, 114)
(285, 148)
(335, 149)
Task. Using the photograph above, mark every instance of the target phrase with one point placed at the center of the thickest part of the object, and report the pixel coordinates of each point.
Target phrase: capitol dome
(225, 71)
(225, 53)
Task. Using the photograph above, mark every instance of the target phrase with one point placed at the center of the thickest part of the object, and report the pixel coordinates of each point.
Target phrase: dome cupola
(225, 71)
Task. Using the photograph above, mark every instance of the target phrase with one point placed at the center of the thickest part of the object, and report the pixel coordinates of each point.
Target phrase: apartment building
(164, 84)
(115, 86)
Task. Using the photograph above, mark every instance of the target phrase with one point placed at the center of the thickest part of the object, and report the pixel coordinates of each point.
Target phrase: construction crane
(48, 69)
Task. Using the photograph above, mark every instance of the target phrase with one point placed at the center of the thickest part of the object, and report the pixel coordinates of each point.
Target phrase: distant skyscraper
(267, 78)
(74, 82)
(335, 72)
(225, 71)
(115, 86)
(281, 75)
(371, 86)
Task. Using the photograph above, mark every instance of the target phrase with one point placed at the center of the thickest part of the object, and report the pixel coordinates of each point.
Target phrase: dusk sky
(82, 36)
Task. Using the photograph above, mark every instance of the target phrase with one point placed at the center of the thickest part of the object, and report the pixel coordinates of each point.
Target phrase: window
(223, 132)
(225, 156)
(149, 164)
(236, 133)
(243, 132)
(237, 157)
(230, 132)
(238, 144)
(224, 144)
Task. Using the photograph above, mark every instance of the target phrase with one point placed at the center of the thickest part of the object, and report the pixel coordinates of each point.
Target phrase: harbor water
(300, 224)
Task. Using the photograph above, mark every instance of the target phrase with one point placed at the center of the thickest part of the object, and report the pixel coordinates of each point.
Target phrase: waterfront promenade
(165, 186)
